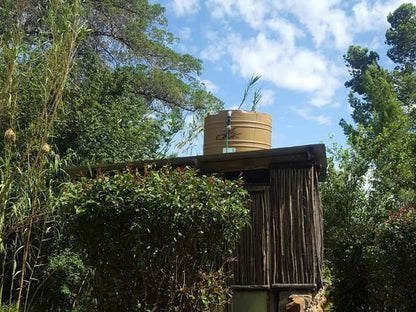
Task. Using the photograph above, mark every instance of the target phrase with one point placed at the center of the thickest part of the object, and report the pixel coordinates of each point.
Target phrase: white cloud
(336, 105)
(290, 68)
(216, 48)
(330, 23)
(185, 7)
(251, 11)
(220, 8)
(373, 16)
(331, 83)
(306, 114)
(211, 87)
(214, 52)
(287, 32)
(324, 19)
(267, 97)
(185, 33)
(273, 38)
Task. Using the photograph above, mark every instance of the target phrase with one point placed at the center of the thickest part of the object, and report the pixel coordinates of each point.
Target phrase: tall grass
(36, 70)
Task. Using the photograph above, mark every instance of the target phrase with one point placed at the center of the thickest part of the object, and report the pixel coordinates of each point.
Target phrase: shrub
(158, 240)
(393, 258)
(65, 285)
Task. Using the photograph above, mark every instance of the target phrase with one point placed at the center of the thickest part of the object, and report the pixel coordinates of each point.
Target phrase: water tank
(247, 131)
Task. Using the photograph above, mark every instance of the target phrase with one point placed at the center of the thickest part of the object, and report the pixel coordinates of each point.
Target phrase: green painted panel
(250, 301)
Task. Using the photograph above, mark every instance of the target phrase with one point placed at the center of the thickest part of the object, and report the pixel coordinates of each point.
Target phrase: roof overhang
(226, 163)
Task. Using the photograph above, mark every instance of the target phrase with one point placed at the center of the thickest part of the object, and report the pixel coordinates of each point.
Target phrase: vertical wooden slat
(283, 245)
(297, 226)
(252, 254)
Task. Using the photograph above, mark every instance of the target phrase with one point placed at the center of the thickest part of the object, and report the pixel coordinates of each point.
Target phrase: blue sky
(296, 45)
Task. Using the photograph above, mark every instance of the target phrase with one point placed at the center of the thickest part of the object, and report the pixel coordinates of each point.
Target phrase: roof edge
(222, 163)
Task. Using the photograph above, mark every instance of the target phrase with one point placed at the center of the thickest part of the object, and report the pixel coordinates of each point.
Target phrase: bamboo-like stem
(59, 57)
(16, 250)
(8, 107)
(3, 267)
(39, 250)
(48, 124)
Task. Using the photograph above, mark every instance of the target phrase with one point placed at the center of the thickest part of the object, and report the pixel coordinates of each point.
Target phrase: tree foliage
(358, 60)
(384, 116)
(105, 120)
(395, 254)
(344, 201)
(65, 284)
(170, 230)
(124, 69)
(82, 81)
(402, 36)
(384, 135)
(375, 182)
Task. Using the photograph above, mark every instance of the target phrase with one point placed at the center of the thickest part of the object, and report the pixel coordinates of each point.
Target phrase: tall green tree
(402, 37)
(378, 239)
(127, 41)
(105, 119)
(358, 60)
(383, 110)
(383, 135)
(344, 201)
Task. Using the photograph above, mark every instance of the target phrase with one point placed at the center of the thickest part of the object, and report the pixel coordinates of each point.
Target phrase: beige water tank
(248, 131)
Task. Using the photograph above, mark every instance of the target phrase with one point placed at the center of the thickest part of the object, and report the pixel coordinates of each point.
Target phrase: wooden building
(281, 252)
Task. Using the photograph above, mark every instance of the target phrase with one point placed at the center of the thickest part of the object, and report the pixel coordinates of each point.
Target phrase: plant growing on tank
(257, 93)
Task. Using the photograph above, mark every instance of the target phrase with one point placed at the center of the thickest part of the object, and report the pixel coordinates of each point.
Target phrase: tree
(358, 60)
(124, 39)
(386, 140)
(344, 203)
(382, 141)
(384, 117)
(105, 120)
(402, 37)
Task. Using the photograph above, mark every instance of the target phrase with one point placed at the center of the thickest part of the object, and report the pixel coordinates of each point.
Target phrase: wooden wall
(252, 266)
(283, 245)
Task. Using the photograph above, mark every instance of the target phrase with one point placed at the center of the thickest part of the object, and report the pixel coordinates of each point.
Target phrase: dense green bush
(65, 285)
(370, 250)
(158, 240)
(393, 259)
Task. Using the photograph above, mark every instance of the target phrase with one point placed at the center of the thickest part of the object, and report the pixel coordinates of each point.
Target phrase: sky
(297, 46)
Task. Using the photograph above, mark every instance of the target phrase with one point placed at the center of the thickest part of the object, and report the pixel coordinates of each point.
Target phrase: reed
(257, 93)
(26, 160)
